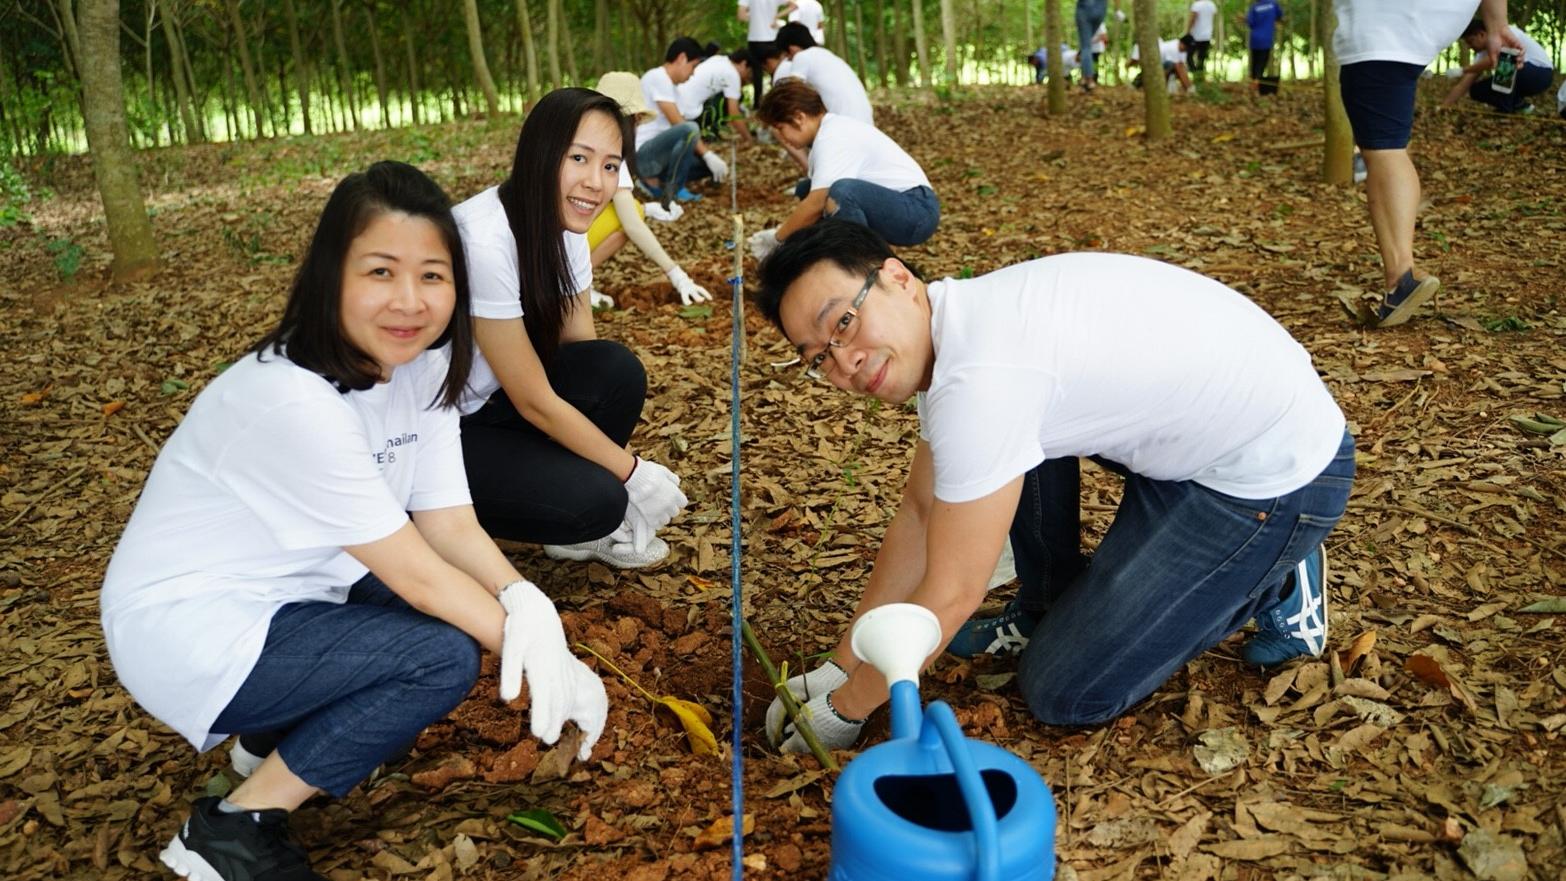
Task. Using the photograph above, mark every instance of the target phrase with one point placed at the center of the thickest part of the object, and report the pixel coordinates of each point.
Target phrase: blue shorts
(1379, 99)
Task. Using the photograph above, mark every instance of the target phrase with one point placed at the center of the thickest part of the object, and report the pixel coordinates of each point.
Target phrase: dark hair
(854, 248)
(768, 50)
(787, 100)
(1474, 27)
(1187, 41)
(794, 34)
(531, 199)
(742, 56)
(310, 333)
(711, 49)
(686, 46)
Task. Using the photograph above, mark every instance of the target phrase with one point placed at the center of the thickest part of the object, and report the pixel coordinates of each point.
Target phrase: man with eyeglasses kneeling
(1236, 460)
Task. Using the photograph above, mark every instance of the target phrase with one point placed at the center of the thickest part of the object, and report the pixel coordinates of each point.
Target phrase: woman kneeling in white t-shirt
(270, 582)
(547, 457)
(857, 173)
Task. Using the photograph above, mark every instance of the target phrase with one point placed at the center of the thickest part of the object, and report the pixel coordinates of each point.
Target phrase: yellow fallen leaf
(113, 407)
(1223, 138)
(35, 397)
(693, 716)
(696, 720)
(1134, 130)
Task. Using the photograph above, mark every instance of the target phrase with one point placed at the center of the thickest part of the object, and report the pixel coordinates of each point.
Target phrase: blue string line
(737, 783)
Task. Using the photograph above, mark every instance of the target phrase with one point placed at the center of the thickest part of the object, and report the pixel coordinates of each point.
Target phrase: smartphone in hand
(1504, 79)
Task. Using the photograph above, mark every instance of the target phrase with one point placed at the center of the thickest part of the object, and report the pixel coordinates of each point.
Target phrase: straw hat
(625, 88)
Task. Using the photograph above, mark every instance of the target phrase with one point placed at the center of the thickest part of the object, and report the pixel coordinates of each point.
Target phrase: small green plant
(1440, 240)
(987, 190)
(965, 272)
(67, 256)
(14, 195)
(1506, 324)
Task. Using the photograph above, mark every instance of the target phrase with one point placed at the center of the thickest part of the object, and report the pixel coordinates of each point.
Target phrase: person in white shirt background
(666, 141)
(1199, 25)
(1383, 49)
(1172, 55)
(761, 27)
(856, 172)
(718, 77)
(810, 14)
(1236, 460)
(839, 85)
(623, 219)
(550, 408)
(304, 568)
(1535, 73)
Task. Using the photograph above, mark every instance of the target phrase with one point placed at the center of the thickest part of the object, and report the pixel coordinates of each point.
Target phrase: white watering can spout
(895, 639)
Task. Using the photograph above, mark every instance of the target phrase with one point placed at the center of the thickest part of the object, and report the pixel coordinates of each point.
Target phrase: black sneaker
(1401, 301)
(249, 846)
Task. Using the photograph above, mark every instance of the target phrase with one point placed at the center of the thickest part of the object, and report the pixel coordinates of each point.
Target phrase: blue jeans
(902, 218)
(351, 684)
(667, 157)
(1180, 569)
(1090, 14)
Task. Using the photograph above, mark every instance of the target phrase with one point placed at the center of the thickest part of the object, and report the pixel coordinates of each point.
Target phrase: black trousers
(757, 72)
(525, 486)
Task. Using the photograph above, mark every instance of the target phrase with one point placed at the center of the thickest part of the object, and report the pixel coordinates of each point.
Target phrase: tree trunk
(949, 41)
(344, 72)
(1337, 161)
(1057, 61)
(252, 94)
(71, 38)
(1155, 90)
(570, 46)
(837, 31)
(197, 96)
(415, 97)
(883, 56)
(900, 41)
(552, 41)
(859, 42)
(470, 17)
(529, 52)
(382, 88)
(301, 69)
(187, 113)
(113, 163)
(921, 44)
(1027, 24)
(601, 36)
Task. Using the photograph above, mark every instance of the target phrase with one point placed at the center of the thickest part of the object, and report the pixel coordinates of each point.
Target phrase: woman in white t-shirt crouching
(549, 408)
(271, 583)
(857, 173)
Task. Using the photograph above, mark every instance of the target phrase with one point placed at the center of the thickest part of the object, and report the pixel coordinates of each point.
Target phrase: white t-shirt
(1168, 52)
(840, 88)
(717, 75)
(784, 70)
(1202, 27)
(1412, 33)
(1100, 39)
(656, 86)
(1165, 371)
(1560, 100)
(1533, 53)
(493, 282)
(809, 14)
(762, 15)
(249, 506)
(846, 148)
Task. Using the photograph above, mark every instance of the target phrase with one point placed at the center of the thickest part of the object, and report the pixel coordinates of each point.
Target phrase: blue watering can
(930, 804)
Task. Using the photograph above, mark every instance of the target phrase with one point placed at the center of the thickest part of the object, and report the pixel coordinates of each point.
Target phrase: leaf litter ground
(1426, 745)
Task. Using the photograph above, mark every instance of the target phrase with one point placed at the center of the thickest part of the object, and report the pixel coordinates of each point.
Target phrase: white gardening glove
(1120, 15)
(689, 291)
(656, 211)
(654, 498)
(716, 165)
(599, 299)
(763, 243)
(832, 730)
(559, 685)
(817, 682)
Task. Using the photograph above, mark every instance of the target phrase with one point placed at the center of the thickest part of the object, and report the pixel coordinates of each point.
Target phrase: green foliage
(14, 196)
(541, 821)
(67, 256)
(1506, 324)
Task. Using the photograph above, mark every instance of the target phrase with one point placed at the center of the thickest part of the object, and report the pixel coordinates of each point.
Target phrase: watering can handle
(981, 811)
